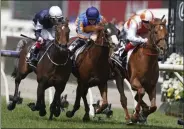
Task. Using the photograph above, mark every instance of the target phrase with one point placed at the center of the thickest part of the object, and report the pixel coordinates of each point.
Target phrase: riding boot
(34, 57)
(123, 56)
(75, 45)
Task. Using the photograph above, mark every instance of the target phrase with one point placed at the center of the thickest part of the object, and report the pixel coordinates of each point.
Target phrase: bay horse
(92, 67)
(143, 71)
(53, 69)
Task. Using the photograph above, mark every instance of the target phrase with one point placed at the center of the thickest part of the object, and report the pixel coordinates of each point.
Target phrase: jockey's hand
(93, 37)
(145, 40)
(40, 40)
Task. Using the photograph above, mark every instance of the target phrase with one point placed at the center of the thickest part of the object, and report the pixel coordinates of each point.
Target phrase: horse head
(62, 33)
(158, 34)
(107, 35)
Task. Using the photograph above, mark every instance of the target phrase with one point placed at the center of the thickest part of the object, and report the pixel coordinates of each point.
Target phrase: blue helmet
(92, 13)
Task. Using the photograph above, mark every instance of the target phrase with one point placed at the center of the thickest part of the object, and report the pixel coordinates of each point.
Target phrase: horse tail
(20, 46)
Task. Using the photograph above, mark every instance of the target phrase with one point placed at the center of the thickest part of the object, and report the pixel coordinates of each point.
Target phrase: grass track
(23, 117)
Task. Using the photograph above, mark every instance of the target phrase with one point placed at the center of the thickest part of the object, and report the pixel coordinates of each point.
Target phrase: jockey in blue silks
(86, 25)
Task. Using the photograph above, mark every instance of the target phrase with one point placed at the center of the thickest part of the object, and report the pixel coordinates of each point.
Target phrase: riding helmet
(92, 13)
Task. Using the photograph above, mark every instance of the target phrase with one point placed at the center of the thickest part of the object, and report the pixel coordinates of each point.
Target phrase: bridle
(153, 37)
(61, 47)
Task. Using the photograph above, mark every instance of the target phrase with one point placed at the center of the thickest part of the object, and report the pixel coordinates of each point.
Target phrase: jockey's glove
(145, 40)
(40, 40)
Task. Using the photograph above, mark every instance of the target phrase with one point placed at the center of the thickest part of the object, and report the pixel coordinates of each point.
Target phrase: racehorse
(53, 69)
(92, 67)
(143, 70)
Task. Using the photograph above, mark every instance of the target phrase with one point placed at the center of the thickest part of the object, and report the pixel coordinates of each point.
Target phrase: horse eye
(156, 32)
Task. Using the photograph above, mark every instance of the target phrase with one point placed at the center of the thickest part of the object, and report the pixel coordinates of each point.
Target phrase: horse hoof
(109, 114)
(134, 120)
(86, 118)
(42, 113)
(11, 106)
(69, 114)
(32, 106)
(57, 113)
(129, 122)
(20, 100)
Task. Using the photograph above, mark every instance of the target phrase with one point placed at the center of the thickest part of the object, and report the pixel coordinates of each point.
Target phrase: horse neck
(99, 53)
(151, 42)
(148, 52)
(57, 55)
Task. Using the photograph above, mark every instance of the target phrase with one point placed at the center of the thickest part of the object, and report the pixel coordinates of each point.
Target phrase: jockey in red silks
(134, 28)
(44, 21)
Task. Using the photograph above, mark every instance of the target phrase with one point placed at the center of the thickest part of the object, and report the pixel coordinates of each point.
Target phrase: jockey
(86, 25)
(45, 19)
(134, 27)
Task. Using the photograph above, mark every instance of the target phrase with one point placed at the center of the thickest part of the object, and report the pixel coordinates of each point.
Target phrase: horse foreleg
(103, 92)
(55, 107)
(40, 103)
(140, 93)
(123, 98)
(86, 116)
(77, 103)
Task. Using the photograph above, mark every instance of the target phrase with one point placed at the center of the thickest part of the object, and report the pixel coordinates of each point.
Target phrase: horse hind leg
(18, 77)
(123, 98)
(76, 104)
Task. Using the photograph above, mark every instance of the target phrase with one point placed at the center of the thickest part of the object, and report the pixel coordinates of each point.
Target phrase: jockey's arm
(38, 28)
(80, 28)
(132, 36)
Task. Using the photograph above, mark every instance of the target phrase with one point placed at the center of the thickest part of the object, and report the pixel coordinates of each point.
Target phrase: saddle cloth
(115, 57)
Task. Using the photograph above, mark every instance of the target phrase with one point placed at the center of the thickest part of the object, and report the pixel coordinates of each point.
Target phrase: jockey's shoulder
(41, 14)
(134, 17)
(82, 16)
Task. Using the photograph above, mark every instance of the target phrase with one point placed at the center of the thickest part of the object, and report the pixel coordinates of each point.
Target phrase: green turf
(23, 117)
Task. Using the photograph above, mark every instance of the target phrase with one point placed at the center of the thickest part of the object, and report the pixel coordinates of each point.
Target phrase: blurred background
(16, 19)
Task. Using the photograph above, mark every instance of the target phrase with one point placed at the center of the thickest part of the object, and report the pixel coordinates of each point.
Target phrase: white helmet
(55, 12)
(147, 15)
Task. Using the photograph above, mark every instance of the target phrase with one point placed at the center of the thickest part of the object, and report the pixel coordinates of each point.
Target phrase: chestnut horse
(143, 70)
(92, 67)
(53, 69)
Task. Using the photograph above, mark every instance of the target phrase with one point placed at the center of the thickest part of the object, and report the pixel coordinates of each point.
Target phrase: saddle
(44, 48)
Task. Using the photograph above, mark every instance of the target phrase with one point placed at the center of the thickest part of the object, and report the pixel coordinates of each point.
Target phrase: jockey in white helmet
(45, 19)
(134, 27)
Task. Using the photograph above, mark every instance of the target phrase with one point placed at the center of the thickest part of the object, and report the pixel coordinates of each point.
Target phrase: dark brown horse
(143, 70)
(53, 69)
(92, 67)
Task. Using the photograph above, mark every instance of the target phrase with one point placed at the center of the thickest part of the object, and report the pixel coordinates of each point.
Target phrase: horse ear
(66, 20)
(164, 21)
